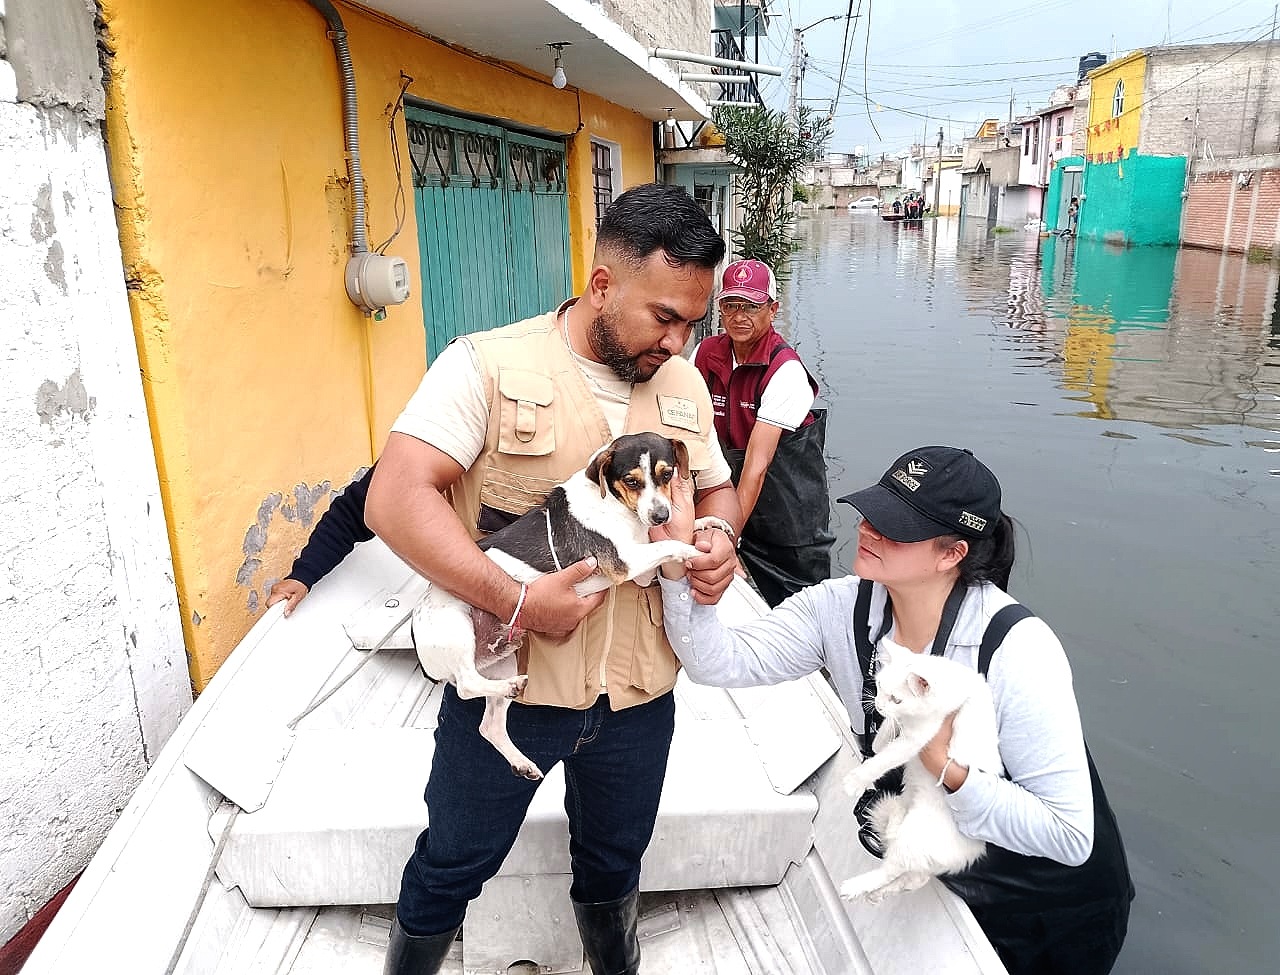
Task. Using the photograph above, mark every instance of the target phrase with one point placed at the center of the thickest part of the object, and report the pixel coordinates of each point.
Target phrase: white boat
(299, 873)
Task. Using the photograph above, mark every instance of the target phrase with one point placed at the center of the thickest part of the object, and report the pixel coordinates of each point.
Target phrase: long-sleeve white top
(1044, 807)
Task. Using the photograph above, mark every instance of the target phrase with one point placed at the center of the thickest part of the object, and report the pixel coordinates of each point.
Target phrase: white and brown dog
(605, 511)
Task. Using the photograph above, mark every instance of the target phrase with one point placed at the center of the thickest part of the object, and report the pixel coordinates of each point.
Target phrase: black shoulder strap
(997, 630)
(862, 626)
(866, 654)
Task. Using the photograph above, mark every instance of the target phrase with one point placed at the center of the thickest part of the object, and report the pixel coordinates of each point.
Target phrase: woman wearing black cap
(934, 555)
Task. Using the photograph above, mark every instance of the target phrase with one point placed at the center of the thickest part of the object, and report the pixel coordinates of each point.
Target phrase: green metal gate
(493, 224)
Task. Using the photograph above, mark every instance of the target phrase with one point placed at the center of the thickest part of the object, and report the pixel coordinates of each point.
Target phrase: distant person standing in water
(1073, 215)
(772, 436)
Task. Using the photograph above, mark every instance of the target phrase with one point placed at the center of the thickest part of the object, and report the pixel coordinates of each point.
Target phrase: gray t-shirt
(1045, 806)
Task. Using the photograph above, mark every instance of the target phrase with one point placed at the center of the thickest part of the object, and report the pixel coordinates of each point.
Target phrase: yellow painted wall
(1106, 133)
(226, 147)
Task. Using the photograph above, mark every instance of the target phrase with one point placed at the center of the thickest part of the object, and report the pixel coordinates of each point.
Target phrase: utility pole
(924, 141)
(797, 46)
(797, 64)
(937, 176)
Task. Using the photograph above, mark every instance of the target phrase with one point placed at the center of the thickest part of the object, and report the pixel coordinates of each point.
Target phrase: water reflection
(1181, 339)
(1130, 402)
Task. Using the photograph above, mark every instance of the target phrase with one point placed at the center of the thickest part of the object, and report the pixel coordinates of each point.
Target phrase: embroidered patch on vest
(676, 411)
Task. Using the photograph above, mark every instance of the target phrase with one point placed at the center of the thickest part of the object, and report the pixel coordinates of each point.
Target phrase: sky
(951, 65)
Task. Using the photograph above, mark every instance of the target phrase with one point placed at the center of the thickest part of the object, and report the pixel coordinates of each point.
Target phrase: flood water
(1130, 403)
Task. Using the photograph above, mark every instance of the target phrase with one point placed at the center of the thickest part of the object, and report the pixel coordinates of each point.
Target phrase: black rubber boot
(608, 934)
(408, 954)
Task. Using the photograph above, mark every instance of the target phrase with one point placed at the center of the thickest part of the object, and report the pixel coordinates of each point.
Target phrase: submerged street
(1130, 402)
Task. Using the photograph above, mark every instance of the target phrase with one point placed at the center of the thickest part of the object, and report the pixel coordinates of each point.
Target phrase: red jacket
(735, 393)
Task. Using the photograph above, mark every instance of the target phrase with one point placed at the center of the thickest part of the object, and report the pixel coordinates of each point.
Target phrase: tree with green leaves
(771, 150)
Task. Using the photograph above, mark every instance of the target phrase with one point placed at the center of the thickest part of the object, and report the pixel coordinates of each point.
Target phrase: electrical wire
(867, 101)
(399, 206)
(850, 22)
(1191, 77)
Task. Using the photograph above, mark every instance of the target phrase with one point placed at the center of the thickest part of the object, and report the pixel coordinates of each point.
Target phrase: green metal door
(493, 224)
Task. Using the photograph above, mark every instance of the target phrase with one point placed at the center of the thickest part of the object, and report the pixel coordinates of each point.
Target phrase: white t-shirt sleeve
(788, 398)
(717, 471)
(449, 410)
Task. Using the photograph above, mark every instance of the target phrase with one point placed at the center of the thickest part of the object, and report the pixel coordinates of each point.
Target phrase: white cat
(915, 693)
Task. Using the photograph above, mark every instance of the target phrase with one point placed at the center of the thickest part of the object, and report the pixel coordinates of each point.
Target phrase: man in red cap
(772, 436)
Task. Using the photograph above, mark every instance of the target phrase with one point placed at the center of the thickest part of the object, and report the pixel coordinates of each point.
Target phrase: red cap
(751, 280)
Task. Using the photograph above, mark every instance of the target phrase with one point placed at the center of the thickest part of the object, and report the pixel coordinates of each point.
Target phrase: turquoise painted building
(1134, 201)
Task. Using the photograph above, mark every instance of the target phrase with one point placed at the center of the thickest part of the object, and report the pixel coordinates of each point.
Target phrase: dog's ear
(598, 469)
(682, 457)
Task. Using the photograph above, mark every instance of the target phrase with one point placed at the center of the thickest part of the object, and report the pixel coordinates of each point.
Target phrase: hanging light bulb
(671, 119)
(558, 78)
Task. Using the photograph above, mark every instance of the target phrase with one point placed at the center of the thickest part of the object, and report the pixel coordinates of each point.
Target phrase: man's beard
(606, 343)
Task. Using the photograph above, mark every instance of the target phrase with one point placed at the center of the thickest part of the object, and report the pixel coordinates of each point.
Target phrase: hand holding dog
(711, 573)
(679, 527)
(553, 606)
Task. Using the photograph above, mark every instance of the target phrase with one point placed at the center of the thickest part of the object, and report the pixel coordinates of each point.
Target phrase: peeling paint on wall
(53, 266)
(71, 397)
(42, 224)
(301, 509)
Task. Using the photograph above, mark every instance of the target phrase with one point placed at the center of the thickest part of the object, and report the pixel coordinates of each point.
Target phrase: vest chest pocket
(525, 423)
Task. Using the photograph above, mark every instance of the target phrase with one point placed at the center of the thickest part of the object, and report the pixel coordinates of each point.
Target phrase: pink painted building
(1046, 137)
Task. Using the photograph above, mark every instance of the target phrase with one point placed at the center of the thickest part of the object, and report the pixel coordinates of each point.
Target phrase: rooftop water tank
(1090, 61)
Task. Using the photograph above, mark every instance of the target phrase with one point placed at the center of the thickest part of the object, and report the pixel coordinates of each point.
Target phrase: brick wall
(1223, 215)
(1231, 105)
(684, 25)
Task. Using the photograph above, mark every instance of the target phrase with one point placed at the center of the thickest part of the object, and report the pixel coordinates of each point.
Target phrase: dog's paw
(527, 770)
(516, 686)
(711, 521)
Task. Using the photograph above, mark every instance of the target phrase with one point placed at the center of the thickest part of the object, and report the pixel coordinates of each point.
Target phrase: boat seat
(347, 806)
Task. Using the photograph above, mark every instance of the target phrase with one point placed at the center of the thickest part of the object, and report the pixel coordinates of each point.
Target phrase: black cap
(932, 491)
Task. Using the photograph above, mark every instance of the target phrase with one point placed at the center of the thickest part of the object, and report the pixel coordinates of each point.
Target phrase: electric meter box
(375, 281)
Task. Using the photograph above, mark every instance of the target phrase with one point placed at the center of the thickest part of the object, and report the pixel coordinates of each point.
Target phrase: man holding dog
(500, 418)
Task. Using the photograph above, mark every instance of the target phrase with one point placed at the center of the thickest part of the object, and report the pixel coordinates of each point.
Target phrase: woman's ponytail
(990, 559)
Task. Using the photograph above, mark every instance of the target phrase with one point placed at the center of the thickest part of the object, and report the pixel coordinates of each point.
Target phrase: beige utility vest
(544, 425)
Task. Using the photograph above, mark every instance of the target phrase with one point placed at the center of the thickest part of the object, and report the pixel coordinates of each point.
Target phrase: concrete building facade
(1156, 111)
(94, 678)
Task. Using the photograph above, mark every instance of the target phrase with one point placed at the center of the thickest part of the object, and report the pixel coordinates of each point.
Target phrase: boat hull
(181, 871)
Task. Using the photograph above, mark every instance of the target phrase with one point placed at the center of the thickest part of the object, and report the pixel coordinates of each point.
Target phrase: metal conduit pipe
(724, 79)
(666, 54)
(350, 121)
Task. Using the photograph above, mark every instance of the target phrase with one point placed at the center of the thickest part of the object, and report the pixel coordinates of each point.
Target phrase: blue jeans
(614, 764)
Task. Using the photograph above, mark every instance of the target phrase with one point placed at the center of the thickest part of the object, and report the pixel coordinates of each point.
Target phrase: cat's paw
(857, 782)
(862, 887)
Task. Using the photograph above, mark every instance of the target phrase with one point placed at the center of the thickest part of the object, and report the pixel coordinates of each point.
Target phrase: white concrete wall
(93, 674)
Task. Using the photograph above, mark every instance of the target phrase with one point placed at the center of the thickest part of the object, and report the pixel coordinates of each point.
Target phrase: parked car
(865, 203)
